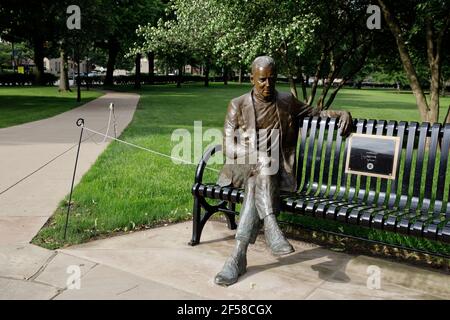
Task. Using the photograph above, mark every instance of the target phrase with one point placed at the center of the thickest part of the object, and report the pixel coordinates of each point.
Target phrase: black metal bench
(413, 204)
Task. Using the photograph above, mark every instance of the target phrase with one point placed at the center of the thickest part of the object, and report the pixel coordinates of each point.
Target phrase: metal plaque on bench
(372, 155)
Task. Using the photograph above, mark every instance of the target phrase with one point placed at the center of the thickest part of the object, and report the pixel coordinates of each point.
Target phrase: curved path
(25, 207)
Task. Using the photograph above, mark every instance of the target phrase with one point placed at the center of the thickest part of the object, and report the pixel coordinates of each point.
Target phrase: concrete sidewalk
(158, 264)
(25, 208)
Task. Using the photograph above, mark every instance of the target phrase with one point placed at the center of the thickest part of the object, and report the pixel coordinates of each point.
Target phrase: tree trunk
(207, 74)
(78, 78)
(137, 73)
(301, 79)
(433, 113)
(180, 76)
(292, 85)
(316, 77)
(434, 60)
(64, 76)
(113, 51)
(38, 46)
(327, 83)
(240, 74)
(351, 73)
(421, 100)
(303, 85)
(88, 70)
(151, 67)
(442, 85)
(447, 117)
(326, 88)
(225, 75)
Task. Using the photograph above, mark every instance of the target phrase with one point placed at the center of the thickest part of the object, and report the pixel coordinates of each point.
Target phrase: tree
(21, 53)
(428, 20)
(165, 41)
(326, 39)
(122, 18)
(33, 23)
(186, 33)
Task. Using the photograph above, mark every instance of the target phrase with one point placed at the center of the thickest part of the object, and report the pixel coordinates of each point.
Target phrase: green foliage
(21, 52)
(224, 32)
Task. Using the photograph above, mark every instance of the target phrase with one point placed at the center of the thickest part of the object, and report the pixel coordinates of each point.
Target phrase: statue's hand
(345, 123)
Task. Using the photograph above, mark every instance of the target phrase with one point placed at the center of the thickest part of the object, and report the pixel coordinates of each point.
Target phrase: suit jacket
(240, 121)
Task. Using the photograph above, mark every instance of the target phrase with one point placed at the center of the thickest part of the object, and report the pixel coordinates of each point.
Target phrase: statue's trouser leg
(249, 221)
(267, 202)
(261, 199)
(267, 195)
(246, 233)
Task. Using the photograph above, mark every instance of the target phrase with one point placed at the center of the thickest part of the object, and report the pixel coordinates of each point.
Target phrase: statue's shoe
(275, 238)
(281, 247)
(233, 268)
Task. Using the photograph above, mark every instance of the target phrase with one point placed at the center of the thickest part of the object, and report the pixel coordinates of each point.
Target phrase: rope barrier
(112, 118)
(44, 165)
(111, 114)
(145, 149)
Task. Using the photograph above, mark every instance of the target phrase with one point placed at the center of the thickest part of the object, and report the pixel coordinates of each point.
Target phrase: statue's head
(264, 76)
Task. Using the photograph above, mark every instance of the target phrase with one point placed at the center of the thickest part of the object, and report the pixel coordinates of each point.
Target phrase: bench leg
(196, 222)
(199, 220)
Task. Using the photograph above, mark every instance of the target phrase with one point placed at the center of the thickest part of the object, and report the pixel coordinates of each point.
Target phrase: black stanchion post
(114, 119)
(80, 123)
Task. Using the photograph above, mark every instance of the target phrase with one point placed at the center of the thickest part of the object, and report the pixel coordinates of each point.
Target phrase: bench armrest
(204, 160)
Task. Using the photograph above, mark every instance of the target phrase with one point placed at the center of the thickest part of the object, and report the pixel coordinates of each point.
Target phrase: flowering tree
(325, 39)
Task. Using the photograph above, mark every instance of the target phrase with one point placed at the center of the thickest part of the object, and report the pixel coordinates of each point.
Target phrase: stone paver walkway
(158, 264)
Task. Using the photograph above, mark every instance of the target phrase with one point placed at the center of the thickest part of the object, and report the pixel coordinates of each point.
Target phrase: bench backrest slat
(419, 165)
(353, 177)
(318, 155)
(310, 155)
(412, 130)
(390, 129)
(431, 165)
(362, 192)
(336, 159)
(443, 177)
(301, 155)
(381, 124)
(327, 161)
(443, 162)
(394, 196)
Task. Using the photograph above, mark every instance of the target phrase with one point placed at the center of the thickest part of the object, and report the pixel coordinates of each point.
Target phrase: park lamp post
(74, 23)
(13, 58)
(78, 71)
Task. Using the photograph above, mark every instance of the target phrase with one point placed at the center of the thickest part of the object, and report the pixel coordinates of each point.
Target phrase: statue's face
(264, 79)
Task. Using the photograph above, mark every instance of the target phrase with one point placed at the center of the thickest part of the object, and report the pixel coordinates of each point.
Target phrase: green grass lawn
(129, 189)
(24, 104)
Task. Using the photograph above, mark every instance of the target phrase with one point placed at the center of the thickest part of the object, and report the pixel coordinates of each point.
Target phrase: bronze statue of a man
(277, 114)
